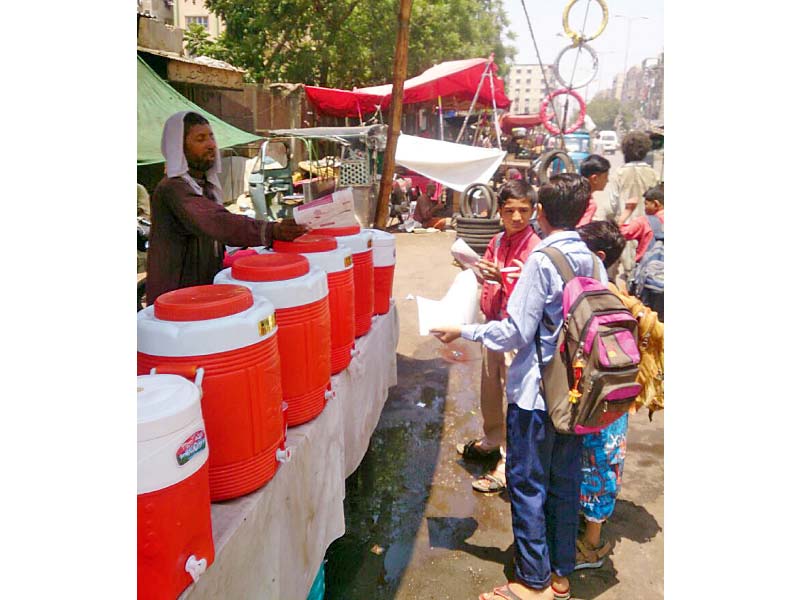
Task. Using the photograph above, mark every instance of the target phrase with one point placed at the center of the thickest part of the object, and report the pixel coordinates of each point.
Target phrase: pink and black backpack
(591, 380)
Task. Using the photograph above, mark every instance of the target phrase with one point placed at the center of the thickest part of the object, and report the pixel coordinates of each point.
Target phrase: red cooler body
(383, 259)
(232, 336)
(360, 242)
(173, 507)
(299, 293)
(322, 252)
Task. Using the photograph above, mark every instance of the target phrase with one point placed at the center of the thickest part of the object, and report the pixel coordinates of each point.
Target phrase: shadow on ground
(386, 496)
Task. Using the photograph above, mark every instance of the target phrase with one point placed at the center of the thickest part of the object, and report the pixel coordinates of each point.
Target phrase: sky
(646, 35)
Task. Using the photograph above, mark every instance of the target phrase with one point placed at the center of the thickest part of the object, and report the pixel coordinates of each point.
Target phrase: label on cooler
(267, 325)
(191, 446)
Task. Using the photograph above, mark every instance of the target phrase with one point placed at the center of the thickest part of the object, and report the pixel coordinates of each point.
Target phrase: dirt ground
(415, 527)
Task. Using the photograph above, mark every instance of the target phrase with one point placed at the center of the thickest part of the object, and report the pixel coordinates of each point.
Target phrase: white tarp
(453, 165)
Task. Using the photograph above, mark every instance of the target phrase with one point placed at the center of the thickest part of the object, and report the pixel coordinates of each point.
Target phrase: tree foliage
(603, 112)
(197, 40)
(351, 43)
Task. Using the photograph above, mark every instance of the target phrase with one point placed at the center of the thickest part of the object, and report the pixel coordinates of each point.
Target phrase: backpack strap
(657, 226)
(560, 261)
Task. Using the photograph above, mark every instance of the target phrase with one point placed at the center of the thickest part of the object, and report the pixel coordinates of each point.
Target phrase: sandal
(502, 592)
(471, 451)
(489, 484)
(561, 595)
(588, 557)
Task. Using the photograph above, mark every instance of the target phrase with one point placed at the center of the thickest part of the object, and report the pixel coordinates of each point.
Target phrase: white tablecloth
(271, 543)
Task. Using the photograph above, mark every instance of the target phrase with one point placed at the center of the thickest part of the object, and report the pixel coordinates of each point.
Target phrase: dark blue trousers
(543, 472)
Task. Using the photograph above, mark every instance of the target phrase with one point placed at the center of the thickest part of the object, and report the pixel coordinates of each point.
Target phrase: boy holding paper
(517, 240)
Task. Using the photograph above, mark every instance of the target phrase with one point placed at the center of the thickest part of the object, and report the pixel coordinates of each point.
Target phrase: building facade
(526, 88)
(195, 11)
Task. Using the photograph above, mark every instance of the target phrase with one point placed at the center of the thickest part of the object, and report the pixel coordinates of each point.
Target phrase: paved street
(415, 527)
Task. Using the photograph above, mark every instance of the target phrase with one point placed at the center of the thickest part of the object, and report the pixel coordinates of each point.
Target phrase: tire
(470, 193)
(546, 117)
(478, 222)
(549, 158)
(577, 38)
(557, 67)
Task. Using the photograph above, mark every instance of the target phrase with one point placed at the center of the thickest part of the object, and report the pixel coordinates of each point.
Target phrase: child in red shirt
(640, 228)
(595, 168)
(515, 243)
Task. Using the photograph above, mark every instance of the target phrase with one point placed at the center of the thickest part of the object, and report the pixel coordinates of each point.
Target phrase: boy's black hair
(636, 145)
(655, 193)
(594, 164)
(605, 236)
(564, 199)
(190, 119)
(518, 189)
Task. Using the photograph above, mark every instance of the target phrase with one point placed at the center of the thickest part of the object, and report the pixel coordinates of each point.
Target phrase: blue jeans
(543, 471)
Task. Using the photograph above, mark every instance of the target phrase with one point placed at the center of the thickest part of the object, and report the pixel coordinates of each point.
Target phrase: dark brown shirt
(187, 236)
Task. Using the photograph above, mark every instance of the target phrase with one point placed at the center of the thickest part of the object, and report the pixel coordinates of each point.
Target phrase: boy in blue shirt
(542, 466)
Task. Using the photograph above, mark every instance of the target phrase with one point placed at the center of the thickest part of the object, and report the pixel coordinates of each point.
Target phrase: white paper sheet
(458, 307)
(333, 210)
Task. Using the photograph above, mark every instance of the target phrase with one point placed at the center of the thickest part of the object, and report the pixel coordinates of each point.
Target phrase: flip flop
(503, 592)
(563, 595)
(471, 451)
(489, 484)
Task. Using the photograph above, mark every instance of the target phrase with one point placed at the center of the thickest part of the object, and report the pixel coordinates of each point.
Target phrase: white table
(271, 543)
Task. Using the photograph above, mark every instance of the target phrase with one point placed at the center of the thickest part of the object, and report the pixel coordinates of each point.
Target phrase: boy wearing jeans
(542, 466)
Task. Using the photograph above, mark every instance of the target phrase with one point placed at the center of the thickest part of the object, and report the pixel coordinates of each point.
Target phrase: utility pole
(395, 113)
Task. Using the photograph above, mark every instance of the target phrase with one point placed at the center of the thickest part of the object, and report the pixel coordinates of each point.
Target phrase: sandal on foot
(561, 595)
(589, 557)
(471, 451)
(501, 592)
(489, 484)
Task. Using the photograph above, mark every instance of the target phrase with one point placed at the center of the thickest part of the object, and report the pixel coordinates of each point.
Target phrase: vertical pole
(441, 120)
(395, 111)
(494, 103)
(472, 105)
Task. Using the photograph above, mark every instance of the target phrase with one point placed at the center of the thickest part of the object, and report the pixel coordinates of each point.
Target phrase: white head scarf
(172, 149)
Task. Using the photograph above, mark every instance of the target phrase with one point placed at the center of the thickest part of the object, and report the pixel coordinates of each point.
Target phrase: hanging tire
(547, 118)
(557, 66)
(471, 193)
(548, 158)
(577, 38)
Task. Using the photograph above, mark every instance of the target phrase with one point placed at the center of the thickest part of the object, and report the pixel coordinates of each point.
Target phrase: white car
(608, 142)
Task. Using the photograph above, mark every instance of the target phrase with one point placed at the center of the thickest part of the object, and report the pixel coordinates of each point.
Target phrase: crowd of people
(558, 483)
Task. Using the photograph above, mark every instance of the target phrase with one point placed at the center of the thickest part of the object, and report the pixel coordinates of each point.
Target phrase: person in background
(627, 187)
(189, 224)
(542, 465)
(429, 212)
(640, 229)
(603, 453)
(596, 169)
(515, 243)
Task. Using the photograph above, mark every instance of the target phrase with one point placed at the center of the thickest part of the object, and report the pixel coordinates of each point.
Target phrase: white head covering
(172, 149)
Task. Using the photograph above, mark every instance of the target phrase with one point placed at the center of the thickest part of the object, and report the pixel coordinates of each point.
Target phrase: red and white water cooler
(322, 252)
(360, 242)
(232, 336)
(299, 293)
(173, 506)
(383, 260)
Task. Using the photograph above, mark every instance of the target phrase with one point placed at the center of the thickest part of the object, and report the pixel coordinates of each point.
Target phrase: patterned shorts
(601, 470)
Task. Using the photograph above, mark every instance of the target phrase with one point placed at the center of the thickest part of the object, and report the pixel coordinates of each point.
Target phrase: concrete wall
(158, 36)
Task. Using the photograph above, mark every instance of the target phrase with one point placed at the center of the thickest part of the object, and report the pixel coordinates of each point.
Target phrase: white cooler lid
(165, 404)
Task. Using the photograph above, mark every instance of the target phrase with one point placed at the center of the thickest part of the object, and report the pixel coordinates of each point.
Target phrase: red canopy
(509, 121)
(457, 78)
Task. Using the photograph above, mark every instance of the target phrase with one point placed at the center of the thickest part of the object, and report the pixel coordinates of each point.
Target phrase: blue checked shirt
(537, 292)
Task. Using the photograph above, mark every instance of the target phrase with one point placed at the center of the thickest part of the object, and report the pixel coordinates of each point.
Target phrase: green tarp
(156, 102)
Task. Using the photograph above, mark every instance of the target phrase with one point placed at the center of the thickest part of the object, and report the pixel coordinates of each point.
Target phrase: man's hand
(286, 230)
(446, 333)
(489, 271)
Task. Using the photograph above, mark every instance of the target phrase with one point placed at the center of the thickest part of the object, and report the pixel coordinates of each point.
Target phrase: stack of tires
(474, 229)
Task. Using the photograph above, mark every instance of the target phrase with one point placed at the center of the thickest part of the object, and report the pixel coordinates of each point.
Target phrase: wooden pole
(395, 112)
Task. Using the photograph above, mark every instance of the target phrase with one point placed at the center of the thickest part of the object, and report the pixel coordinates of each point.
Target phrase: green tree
(603, 111)
(197, 40)
(351, 43)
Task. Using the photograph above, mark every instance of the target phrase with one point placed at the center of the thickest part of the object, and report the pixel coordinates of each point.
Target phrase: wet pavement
(415, 527)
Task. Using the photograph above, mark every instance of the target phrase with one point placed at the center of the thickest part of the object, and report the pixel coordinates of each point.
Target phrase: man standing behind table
(629, 183)
(190, 227)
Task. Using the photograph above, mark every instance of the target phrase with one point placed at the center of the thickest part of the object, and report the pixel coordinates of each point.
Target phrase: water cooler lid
(339, 231)
(381, 238)
(306, 243)
(202, 302)
(274, 266)
(165, 404)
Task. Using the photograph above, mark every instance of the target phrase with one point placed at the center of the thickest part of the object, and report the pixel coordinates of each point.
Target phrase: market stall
(270, 543)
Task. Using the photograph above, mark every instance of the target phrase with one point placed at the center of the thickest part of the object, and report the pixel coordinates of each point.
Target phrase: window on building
(199, 20)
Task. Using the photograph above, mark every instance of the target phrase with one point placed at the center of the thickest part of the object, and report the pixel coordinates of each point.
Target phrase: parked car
(608, 142)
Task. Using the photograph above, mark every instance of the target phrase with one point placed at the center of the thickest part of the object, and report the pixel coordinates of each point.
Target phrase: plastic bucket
(232, 336)
(383, 260)
(173, 506)
(360, 243)
(299, 293)
(322, 252)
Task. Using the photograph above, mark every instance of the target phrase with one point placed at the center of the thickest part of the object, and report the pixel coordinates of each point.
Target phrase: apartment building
(526, 88)
(195, 11)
